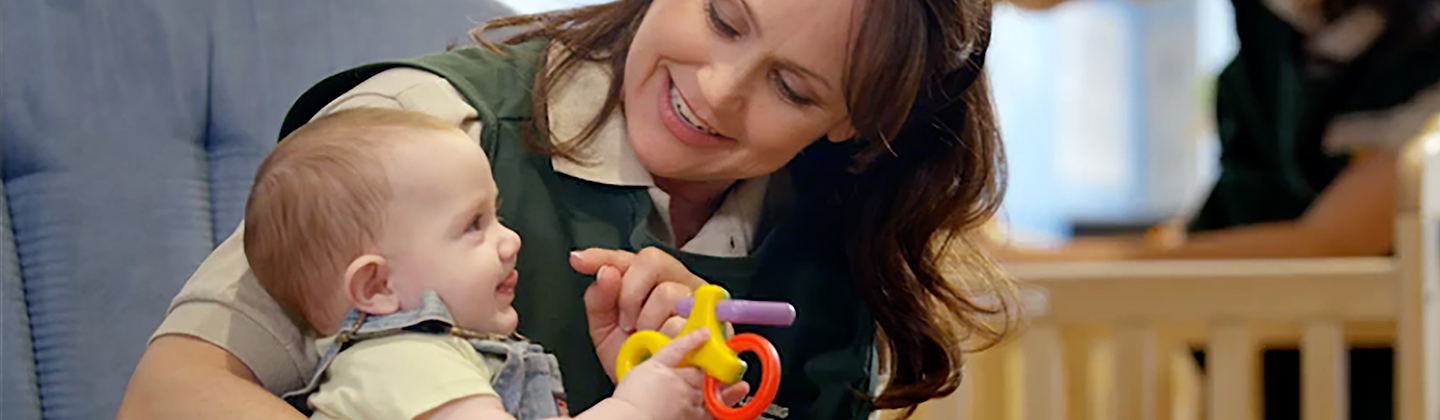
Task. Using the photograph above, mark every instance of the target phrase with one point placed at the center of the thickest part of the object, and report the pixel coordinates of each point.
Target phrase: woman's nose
(724, 85)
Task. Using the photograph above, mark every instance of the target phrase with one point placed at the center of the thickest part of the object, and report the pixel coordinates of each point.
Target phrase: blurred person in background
(1311, 113)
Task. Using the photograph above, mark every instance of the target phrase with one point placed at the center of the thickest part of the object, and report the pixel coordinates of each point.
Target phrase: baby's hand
(663, 391)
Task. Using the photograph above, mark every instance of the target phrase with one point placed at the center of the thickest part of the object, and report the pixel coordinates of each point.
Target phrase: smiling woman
(716, 91)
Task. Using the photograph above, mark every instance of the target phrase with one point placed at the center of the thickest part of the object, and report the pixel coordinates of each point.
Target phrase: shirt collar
(572, 104)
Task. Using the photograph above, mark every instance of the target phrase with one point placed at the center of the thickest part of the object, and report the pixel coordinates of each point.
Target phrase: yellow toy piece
(713, 357)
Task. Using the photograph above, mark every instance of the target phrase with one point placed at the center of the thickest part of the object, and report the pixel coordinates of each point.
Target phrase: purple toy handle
(750, 312)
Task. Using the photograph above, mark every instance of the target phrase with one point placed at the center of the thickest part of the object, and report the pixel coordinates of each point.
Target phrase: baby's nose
(509, 244)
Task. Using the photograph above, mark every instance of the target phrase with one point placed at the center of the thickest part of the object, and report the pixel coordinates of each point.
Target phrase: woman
(833, 154)
(1311, 114)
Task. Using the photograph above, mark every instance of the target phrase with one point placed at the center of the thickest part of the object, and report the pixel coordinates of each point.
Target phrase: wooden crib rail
(1360, 288)
(1153, 308)
(1105, 344)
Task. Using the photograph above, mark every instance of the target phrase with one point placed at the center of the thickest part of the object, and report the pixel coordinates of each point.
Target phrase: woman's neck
(691, 204)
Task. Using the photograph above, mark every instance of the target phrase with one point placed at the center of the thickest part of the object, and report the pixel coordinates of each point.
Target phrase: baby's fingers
(672, 353)
(693, 377)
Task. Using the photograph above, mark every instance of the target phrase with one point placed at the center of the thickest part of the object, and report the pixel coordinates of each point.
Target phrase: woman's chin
(665, 156)
(662, 155)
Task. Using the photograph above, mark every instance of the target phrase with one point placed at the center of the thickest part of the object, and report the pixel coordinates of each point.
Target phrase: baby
(378, 228)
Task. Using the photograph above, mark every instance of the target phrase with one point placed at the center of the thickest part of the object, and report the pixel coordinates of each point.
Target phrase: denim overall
(525, 376)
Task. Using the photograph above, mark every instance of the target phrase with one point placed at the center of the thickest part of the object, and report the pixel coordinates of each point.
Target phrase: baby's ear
(368, 287)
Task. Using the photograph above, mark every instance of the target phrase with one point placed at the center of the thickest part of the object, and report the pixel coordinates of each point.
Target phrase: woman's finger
(603, 316)
(667, 267)
(589, 261)
(602, 298)
(660, 306)
(673, 326)
(638, 283)
(650, 268)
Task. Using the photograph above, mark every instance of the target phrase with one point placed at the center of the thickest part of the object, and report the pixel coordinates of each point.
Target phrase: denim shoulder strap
(430, 317)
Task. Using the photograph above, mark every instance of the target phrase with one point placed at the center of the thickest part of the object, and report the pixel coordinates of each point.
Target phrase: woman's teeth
(686, 114)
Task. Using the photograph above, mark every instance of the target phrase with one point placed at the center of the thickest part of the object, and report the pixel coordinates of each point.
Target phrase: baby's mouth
(507, 286)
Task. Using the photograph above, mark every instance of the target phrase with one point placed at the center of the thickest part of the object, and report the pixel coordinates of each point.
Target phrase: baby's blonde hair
(318, 203)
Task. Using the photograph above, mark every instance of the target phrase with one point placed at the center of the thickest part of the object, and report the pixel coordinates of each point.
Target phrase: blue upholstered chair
(129, 132)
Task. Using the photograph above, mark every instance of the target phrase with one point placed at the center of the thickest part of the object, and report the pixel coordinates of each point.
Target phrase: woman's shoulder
(381, 85)
(451, 71)
(409, 89)
(463, 86)
(401, 83)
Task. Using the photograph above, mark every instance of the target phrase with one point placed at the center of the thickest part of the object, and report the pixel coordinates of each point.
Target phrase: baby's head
(368, 208)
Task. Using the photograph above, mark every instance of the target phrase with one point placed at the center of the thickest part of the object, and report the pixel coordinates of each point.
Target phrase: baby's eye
(474, 224)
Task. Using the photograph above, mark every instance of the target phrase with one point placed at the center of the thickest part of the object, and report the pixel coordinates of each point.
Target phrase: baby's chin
(507, 320)
(502, 322)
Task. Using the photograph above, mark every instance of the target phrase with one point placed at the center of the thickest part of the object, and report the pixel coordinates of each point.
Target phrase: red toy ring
(769, 380)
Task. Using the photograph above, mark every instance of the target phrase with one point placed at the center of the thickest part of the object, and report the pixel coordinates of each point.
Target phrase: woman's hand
(637, 291)
(632, 291)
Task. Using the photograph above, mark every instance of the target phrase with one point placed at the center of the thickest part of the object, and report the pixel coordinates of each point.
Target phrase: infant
(377, 229)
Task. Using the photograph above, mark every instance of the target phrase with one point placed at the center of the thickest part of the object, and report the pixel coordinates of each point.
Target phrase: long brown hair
(926, 168)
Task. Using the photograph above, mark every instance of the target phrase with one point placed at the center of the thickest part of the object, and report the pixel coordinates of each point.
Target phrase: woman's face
(733, 89)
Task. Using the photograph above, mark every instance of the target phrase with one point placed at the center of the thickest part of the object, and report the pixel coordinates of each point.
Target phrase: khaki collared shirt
(223, 304)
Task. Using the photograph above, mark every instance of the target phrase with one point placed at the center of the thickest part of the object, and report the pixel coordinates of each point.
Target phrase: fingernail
(602, 270)
(576, 255)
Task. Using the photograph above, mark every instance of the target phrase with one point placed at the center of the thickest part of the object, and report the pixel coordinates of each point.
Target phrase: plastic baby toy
(719, 359)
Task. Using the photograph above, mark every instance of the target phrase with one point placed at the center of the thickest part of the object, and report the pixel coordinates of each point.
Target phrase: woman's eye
(787, 93)
(717, 23)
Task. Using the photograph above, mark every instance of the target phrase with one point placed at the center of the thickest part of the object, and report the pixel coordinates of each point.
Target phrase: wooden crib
(1112, 340)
